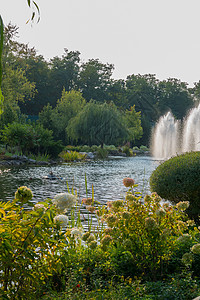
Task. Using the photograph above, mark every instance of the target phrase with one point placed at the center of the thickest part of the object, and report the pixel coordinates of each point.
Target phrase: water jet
(171, 137)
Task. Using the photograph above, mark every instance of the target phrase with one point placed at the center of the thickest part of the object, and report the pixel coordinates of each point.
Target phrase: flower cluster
(23, 194)
(196, 249)
(87, 201)
(76, 232)
(106, 240)
(64, 201)
(150, 223)
(62, 219)
(184, 239)
(111, 220)
(128, 182)
(160, 212)
(182, 205)
(187, 259)
(39, 206)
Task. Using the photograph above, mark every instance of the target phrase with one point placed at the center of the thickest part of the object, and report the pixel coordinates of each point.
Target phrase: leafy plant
(177, 179)
(71, 156)
(143, 233)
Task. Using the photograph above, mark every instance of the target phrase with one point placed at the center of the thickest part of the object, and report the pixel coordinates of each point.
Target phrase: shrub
(177, 179)
(85, 148)
(32, 246)
(102, 153)
(71, 156)
(127, 150)
(144, 148)
(144, 232)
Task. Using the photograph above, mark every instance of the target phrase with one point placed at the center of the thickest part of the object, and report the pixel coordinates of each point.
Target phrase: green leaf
(1, 48)
(29, 2)
(86, 189)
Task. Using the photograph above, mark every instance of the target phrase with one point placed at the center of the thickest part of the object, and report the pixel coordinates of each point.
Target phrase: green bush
(102, 153)
(71, 156)
(144, 148)
(127, 150)
(85, 148)
(177, 179)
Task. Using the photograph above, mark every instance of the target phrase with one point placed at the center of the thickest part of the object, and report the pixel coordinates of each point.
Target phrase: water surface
(105, 175)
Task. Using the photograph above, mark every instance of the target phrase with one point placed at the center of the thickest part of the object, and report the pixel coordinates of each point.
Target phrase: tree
(133, 123)
(63, 74)
(174, 96)
(142, 91)
(1, 50)
(57, 119)
(94, 80)
(98, 124)
(117, 93)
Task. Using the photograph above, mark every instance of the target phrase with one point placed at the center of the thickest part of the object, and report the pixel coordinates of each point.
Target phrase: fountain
(171, 137)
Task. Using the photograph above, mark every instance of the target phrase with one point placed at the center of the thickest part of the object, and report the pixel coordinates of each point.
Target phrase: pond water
(105, 175)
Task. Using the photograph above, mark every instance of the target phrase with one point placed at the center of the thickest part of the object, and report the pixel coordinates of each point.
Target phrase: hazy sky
(159, 37)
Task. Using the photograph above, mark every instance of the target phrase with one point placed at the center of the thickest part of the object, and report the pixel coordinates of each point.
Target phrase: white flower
(39, 206)
(64, 201)
(62, 219)
(196, 249)
(76, 232)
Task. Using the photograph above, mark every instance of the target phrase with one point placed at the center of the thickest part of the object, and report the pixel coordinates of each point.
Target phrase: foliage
(1, 50)
(58, 256)
(64, 73)
(143, 234)
(32, 246)
(175, 97)
(101, 153)
(71, 156)
(57, 119)
(28, 138)
(133, 123)
(177, 180)
(108, 126)
(95, 80)
(127, 150)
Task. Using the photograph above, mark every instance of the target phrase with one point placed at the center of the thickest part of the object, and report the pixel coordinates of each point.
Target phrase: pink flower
(128, 182)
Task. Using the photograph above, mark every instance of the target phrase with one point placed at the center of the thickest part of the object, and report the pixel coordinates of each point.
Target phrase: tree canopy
(98, 124)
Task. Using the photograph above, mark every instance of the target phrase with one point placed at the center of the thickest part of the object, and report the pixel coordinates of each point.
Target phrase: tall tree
(142, 91)
(133, 123)
(57, 119)
(95, 79)
(98, 124)
(63, 74)
(174, 96)
(1, 50)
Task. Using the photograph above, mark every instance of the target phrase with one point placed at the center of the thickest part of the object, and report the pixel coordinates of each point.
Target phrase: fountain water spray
(165, 137)
(169, 139)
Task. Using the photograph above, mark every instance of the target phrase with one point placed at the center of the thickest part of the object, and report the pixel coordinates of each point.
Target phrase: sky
(160, 37)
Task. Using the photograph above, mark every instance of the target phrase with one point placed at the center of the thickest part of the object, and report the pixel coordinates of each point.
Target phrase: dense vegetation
(138, 249)
(64, 95)
(177, 179)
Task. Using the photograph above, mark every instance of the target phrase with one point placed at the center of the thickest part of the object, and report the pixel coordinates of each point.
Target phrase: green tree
(63, 74)
(117, 93)
(133, 123)
(95, 79)
(174, 96)
(1, 50)
(98, 124)
(57, 119)
(142, 91)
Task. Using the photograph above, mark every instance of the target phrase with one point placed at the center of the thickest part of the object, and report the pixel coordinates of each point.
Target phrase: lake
(105, 175)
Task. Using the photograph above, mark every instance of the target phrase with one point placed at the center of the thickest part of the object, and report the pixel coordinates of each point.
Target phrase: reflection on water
(105, 175)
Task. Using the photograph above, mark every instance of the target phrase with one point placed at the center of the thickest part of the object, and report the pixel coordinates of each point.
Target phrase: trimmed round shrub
(178, 179)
